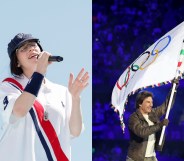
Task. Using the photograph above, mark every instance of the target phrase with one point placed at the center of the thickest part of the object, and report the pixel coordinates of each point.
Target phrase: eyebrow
(27, 42)
(148, 101)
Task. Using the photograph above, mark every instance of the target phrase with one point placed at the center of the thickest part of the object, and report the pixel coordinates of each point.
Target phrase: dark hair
(15, 70)
(141, 96)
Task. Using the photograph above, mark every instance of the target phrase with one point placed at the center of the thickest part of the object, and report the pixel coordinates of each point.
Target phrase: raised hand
(79, 84)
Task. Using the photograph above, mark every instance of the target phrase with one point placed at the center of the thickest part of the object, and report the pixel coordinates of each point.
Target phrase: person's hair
(141, 96)
(15, 70)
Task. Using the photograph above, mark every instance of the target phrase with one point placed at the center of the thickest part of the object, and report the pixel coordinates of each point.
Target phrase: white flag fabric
(158, 65)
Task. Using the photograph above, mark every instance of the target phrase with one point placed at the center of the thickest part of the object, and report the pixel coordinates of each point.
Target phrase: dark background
(122, 30)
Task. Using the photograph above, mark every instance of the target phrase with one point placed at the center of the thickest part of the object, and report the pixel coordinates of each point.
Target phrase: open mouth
(34, 56)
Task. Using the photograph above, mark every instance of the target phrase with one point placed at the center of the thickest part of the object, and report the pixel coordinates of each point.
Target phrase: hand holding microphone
(44, 60)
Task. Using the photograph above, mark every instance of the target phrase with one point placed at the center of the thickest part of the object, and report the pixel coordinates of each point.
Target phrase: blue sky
(64, 28)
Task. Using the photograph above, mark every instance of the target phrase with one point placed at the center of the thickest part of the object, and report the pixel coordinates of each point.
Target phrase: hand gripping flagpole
(172, 92)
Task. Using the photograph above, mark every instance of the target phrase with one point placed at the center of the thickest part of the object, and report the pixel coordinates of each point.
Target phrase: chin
(148, 110)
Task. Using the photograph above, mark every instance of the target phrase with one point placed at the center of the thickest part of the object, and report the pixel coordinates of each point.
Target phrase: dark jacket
(140, 131)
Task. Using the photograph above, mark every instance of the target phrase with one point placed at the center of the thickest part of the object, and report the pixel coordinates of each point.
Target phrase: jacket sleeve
(138, 129)
(8, 96)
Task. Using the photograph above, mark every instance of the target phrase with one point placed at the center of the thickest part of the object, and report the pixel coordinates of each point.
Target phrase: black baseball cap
(18, 40)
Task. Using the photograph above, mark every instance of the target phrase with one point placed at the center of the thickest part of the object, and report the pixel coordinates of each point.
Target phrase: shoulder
(19, 82)
(6, 86)
(133, 116)
(136, 115)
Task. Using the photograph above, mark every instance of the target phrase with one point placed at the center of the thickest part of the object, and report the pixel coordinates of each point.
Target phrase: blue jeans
(145, 159)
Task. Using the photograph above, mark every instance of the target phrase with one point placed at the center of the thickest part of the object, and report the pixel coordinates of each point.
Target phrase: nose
(32, 47)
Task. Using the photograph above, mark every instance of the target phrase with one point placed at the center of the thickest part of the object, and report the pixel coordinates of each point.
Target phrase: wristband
(34, 83)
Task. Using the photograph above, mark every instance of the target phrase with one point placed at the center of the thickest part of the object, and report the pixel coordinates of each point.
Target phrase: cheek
(18, 58)
(38, 49)
(21, 58)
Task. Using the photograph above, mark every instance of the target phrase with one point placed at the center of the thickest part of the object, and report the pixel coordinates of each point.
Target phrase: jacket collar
(139, 114)
(150, 115)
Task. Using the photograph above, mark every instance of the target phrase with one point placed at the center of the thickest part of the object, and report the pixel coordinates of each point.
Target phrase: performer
(145, 128)
(37, 117)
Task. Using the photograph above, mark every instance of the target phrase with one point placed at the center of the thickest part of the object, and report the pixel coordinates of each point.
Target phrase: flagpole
(172, 93)
(167, 113)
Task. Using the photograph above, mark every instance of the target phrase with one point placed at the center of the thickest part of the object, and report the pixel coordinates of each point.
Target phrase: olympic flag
(158, 65)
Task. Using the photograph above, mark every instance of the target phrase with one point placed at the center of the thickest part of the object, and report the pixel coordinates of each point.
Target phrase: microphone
(55, 58)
